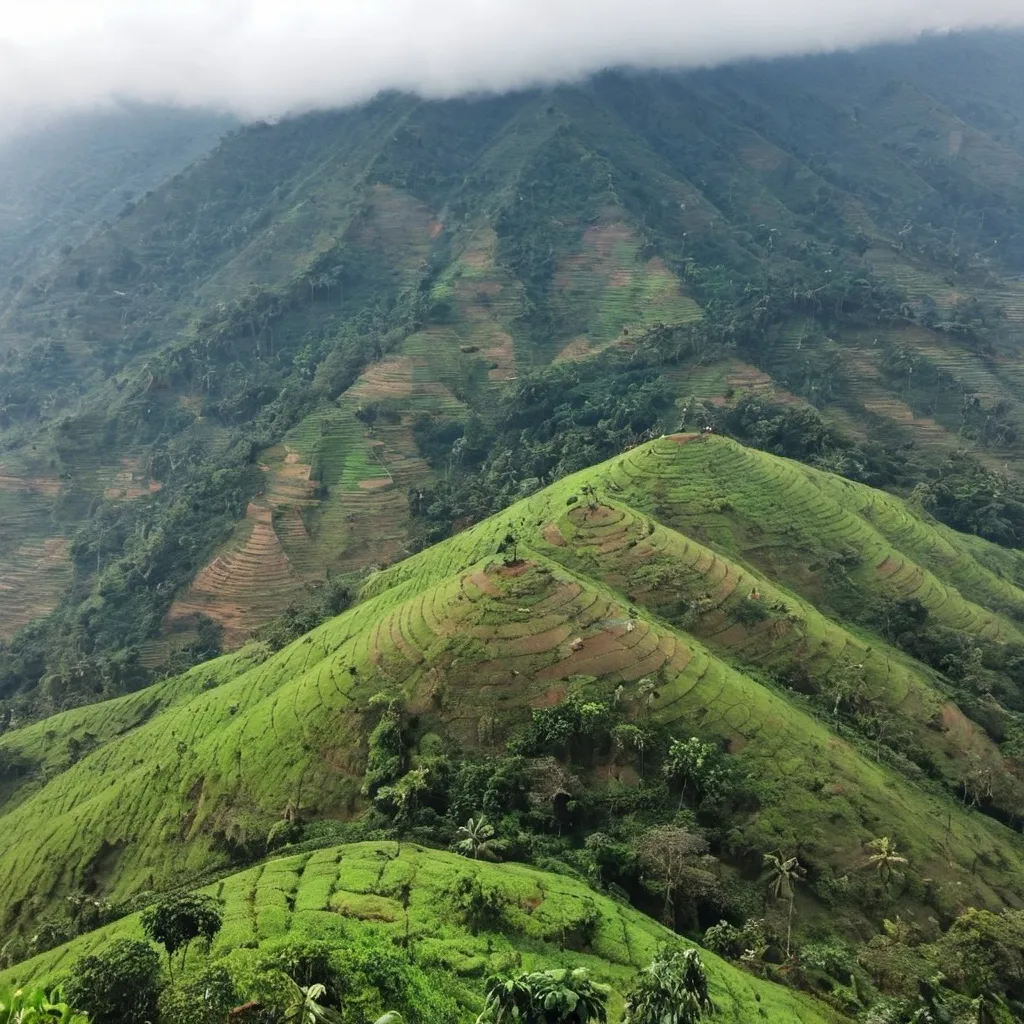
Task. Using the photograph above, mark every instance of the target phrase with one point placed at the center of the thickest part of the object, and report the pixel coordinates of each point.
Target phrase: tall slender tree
(782, 874)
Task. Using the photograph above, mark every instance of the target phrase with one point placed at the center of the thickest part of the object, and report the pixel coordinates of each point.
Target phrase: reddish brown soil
(888, 567)
(47, 486)
(550, 697)
(480, 580)
(553, 535)
(503, 353)
(578, 348)
(516, 569)
(538, 643)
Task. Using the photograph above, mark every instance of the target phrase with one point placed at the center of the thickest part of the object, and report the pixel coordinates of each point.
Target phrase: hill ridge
(470, 642)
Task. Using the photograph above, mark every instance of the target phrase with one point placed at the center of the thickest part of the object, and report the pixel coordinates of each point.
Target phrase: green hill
(738, 637)
(407, 895)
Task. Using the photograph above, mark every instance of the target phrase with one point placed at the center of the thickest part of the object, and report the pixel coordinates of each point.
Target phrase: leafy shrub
(283, 833)
(834, 958)
(480, 906)
(569, 727)
(724, 939)
(673, 990)
(34, 1006)
(386, 757)
(546, 997)
(700, 768)
(120, 985)
(205, 997)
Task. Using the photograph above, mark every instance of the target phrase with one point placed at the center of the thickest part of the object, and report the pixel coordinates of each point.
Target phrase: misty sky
(266, 57)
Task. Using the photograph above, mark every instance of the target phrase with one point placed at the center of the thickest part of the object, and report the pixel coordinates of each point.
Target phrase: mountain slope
(67, 179)
(311, 351)
(344, 893)
(599, 598)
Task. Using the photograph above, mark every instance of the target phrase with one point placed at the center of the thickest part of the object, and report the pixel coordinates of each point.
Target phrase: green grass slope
(173, 782)
(404, 893)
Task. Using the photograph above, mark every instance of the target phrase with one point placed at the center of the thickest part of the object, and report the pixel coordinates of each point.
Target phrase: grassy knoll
(143, 791)
(404, 893)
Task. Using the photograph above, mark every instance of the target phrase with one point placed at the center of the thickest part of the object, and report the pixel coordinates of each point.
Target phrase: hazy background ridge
(261, 58)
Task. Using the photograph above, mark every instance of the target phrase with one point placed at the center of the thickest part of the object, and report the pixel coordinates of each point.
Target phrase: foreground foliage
(21, 1006)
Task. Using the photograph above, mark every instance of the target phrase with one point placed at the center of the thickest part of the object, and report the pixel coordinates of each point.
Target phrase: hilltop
(402, 895)
(689, 587)
(337, 338)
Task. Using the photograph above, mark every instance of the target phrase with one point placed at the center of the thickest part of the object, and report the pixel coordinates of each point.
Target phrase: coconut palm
(473, 839)
(783, 873)
(885, 858)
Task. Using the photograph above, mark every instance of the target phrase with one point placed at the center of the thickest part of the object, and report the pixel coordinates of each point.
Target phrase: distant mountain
(65, 178)
(337, 338)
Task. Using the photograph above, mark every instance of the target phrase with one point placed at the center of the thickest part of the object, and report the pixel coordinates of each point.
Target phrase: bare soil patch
(550, 697)
(553, 535)
(481, 581)
(515, 569)
(47, 486)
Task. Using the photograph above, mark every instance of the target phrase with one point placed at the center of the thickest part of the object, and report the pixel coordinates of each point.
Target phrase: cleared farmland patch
(35, 568)
(612, 289)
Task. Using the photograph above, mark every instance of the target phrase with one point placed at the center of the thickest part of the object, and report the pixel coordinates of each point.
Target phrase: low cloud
(268, 57)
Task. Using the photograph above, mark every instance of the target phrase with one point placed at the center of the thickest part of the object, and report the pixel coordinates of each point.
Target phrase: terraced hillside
(371, 293)
(686, 584)
(403, 893)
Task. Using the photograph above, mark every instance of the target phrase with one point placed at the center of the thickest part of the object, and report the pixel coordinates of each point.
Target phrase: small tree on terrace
(672, 990)
(695, 765)
(783, 873)
(118, 985)
(175, 921)
(672, 853)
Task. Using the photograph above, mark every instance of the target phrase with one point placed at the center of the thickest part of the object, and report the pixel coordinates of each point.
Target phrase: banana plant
(34, 1006)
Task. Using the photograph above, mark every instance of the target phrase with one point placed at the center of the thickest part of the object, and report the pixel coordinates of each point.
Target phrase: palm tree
(783, 873)
(473, 838)
(672, 990)
(885, 858)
